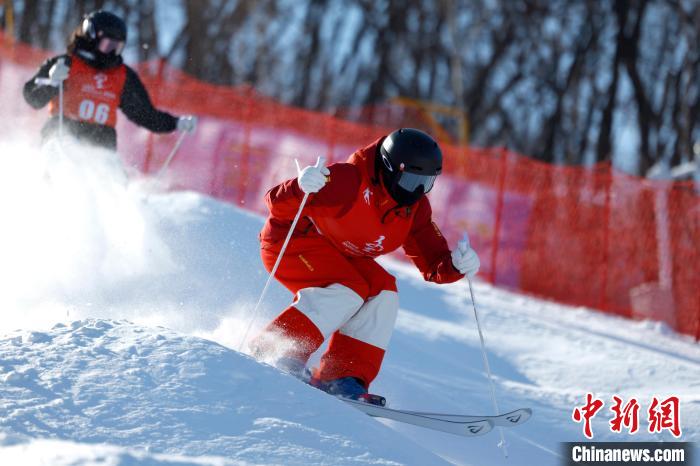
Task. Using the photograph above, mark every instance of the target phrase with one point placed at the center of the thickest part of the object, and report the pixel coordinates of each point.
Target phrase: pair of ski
(458, 424)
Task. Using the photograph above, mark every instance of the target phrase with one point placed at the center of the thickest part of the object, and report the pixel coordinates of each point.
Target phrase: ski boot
(348, 387)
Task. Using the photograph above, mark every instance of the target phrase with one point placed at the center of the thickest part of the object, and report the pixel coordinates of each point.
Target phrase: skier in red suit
(356, 211)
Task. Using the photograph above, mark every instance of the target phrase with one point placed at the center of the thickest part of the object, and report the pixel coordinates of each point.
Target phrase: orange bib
(91, 95)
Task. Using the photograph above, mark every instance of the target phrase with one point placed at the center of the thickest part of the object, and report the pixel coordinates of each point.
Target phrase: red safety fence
(591, 237)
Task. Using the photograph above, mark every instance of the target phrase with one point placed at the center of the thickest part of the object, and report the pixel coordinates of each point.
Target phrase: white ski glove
(312, 178)
(465, 259)
(187, 123)
(58, 73)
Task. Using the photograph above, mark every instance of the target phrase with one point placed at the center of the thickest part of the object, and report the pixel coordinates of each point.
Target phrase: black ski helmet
(102, 23)
(410, 162)
(96, 28)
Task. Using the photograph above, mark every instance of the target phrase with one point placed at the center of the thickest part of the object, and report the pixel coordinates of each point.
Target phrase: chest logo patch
(367, 193)
(375, 246)
(100, 80)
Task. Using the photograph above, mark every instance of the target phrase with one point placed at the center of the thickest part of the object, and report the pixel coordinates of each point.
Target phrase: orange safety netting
(591, 237)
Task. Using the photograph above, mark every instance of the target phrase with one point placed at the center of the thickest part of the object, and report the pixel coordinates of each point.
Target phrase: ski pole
(319, 163)
(464, 247)
(60, 108)
(171, 155)
(49, 82)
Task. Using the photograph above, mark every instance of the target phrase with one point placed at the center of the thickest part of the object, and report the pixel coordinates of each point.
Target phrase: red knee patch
(291, 334)
(349, 357)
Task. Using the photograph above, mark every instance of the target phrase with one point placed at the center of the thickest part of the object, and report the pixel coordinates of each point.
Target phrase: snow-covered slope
(103, 381)
(131, 305)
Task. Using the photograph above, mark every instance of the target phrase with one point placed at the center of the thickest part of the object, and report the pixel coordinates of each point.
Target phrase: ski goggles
(108, 45)
(412, 181)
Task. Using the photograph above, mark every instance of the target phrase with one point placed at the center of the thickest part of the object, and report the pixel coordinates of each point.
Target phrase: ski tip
(518, 416)
(479, 427)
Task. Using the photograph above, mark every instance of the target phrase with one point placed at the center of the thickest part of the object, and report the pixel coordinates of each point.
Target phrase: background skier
(96, 82)
(356, 211)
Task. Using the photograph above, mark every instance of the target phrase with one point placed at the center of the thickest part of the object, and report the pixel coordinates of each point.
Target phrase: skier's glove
(187, 123)
(465, 259)
(312, 178)
(58, 73)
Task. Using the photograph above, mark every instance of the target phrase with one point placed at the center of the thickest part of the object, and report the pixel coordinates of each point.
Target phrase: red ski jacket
(356, 214)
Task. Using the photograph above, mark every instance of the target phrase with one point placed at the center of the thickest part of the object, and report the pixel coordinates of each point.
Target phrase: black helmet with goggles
(100, 39)
(411, 160)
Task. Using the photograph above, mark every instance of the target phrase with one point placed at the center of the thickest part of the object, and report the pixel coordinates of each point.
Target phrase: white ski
(470, 428)
(511, 419)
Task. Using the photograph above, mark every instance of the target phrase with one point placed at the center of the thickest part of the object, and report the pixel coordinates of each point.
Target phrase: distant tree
(564, 81)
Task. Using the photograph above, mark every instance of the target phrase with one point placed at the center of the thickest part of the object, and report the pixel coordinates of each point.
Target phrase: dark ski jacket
(134, 102)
